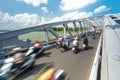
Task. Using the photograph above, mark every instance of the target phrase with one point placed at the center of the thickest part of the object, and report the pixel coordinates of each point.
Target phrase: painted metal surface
(10, 38)
(113, 52)
(110, 67)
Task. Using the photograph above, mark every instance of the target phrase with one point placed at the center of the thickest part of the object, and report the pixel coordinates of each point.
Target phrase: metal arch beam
(69, 31)
(75, 28)
(64, 25)
(91, 24)
(80, 22)
(53, 32)
(84, 30)
(27, 30)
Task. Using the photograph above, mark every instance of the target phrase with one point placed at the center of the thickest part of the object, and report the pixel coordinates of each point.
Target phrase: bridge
(92, 64)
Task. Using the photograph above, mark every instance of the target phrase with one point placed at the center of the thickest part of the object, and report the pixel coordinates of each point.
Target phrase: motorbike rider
(34, 49)
(93, 35)
(60, 39)
(85, 42)
(65, 43)
(18, 60)
(37, 46)
(75, 42)
(18, 57)
(14, 51)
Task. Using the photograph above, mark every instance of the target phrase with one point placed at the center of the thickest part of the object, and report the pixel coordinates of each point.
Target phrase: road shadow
(88, 48)
(78, 52)
(34, 72)
(45, 54)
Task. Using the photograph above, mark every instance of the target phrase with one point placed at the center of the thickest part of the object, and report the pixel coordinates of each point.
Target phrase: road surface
(78, 66)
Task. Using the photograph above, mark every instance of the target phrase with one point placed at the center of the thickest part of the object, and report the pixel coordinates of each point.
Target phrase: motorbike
(49, 72)
(9, 69)
(31, 51)
(93, 35)
(9, 53)
(75, 49)
(58, 44)
(60, 74)
(64, 47)
(85, 46)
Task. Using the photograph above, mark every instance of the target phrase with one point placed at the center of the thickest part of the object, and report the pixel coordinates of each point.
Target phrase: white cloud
(72, 16)
(75, 4)
(26, 20)
(18, 21)
(35, 2)
(101, 9)
(56, 19)
(5, 17)
(43, 20)
(76, 15)
(44, 9)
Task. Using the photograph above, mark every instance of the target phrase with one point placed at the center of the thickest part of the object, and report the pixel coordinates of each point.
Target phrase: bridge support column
(75, 28)
(68, 30)
(84, 25)
(47, 36)
(53, 32)
(64, 25)
(81, 28)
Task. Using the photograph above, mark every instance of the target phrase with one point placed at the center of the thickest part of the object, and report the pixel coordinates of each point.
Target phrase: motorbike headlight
(73, 48)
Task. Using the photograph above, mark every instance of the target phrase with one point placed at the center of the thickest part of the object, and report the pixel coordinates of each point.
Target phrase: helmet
(76, 38)
(36, 41)
(60, 35)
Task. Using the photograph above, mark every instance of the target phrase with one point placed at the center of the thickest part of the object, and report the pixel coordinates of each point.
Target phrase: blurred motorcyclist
(18, 60)
(37, 46)
(34, 49)
(18, 57)
(93, 35)
(14, 51)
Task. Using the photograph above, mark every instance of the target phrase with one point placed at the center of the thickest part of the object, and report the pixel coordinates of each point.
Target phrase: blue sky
(35, 12)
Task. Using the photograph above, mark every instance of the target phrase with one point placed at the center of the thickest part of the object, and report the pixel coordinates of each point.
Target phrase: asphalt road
(78, 66)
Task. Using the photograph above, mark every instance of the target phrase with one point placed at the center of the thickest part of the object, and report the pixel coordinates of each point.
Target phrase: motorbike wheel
(75, 51)
(62, 50)
(57, 46)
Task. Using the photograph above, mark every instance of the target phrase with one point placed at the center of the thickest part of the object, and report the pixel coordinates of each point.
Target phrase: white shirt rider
(75, 42)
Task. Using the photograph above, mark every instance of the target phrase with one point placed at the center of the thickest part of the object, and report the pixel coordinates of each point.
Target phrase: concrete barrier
(96, 62)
